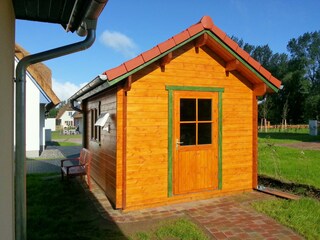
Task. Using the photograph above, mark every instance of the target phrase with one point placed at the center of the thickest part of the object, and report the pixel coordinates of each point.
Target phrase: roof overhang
(205, 35)
(69, 13)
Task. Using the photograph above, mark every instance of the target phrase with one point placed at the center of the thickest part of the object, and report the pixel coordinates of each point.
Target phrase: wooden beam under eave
(232, 65)
(127, 86)
(165, 60)
(260, 89)
(201, 40)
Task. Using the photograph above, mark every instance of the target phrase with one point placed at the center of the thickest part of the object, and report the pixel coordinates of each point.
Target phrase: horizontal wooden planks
(147, 125)
(104, 164)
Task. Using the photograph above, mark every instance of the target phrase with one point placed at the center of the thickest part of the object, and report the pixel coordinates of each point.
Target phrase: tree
(306, 49)
(305, 55)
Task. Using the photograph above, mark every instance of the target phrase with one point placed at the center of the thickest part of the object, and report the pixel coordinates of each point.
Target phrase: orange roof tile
(205, 23)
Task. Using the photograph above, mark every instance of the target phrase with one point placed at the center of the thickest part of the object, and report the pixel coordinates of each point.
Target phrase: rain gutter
(88, 29)
(87, 88)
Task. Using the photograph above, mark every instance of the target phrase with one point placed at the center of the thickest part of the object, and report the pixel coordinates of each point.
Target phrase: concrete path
(55, 154)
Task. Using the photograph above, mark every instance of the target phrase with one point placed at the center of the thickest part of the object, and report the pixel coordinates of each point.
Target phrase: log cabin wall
(102, 143)
(147, 126)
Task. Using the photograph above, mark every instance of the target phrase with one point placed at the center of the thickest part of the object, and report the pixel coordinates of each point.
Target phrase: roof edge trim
(216, 38)
(120, 78)
(244, 62)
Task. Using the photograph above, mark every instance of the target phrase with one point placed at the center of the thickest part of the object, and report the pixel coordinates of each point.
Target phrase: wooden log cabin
(176, 123)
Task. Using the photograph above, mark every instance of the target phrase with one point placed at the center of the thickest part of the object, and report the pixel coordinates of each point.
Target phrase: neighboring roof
(62, 110)
(77, 115)
(68, 13)
(41, 74)
(217, 40)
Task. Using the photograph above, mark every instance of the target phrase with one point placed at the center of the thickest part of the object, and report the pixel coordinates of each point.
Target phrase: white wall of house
(35, 117)
(7, 25)
(50, 123)
(67, 119)
(32, 119)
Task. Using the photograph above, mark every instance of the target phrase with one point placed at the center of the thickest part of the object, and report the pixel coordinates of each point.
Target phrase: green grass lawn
(291, 165)
(63, 144)
(60, 136)
(302, 215)
(286, 163)
(59, 210)
(174, 229)
(291, 136)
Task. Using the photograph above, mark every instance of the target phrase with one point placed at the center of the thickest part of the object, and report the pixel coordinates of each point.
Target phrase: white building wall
(7, 225)
(32, 119)
(67, 117)
(50, 123)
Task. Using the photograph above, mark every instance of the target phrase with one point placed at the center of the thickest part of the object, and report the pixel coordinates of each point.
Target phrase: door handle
(178, 143)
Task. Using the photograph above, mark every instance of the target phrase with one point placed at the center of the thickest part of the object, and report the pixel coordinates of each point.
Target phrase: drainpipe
(20, 157)
(260, 102)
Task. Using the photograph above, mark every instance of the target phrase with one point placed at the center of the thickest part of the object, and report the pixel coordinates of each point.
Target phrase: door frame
(171, 90)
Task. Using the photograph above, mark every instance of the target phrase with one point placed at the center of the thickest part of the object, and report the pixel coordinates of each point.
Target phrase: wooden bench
(81, 168)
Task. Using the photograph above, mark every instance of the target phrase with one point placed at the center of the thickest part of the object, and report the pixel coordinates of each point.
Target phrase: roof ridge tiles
(205, 23)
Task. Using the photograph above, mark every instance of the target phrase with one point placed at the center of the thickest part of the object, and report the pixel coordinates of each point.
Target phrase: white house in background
(39, 99)
(65, 117)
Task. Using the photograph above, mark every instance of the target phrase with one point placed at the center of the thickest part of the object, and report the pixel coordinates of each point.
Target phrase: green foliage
(53, 113)
(301, 215)
(300, 75)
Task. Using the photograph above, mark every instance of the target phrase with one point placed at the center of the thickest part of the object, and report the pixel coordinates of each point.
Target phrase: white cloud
(119, 42)
(64, 90)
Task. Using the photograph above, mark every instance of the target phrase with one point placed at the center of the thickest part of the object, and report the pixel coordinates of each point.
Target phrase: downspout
(260, 102)
(20, 157)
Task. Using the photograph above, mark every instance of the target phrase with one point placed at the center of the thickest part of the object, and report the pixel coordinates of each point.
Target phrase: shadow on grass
(302, 137)
(62, 210)
(62, 144)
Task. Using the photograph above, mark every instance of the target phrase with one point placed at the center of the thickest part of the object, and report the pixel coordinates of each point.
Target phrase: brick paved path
(229, 217)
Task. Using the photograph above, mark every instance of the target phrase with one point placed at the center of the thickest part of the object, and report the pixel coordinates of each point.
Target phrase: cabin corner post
(126, 88)
(254, 141)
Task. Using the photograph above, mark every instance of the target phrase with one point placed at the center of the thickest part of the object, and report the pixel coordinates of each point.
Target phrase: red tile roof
(205, 23)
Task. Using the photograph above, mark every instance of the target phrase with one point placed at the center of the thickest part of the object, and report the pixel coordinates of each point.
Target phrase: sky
(127, 28)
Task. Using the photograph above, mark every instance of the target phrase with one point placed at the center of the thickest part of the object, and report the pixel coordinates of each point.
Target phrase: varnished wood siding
(103, 164)
(147, 127)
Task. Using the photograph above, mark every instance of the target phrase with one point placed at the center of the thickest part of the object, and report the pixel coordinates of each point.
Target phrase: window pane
(204, 133)
(188, 134)
(187, 109)
(204, 109)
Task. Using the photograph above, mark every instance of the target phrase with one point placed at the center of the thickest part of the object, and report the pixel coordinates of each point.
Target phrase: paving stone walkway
(229, 217)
